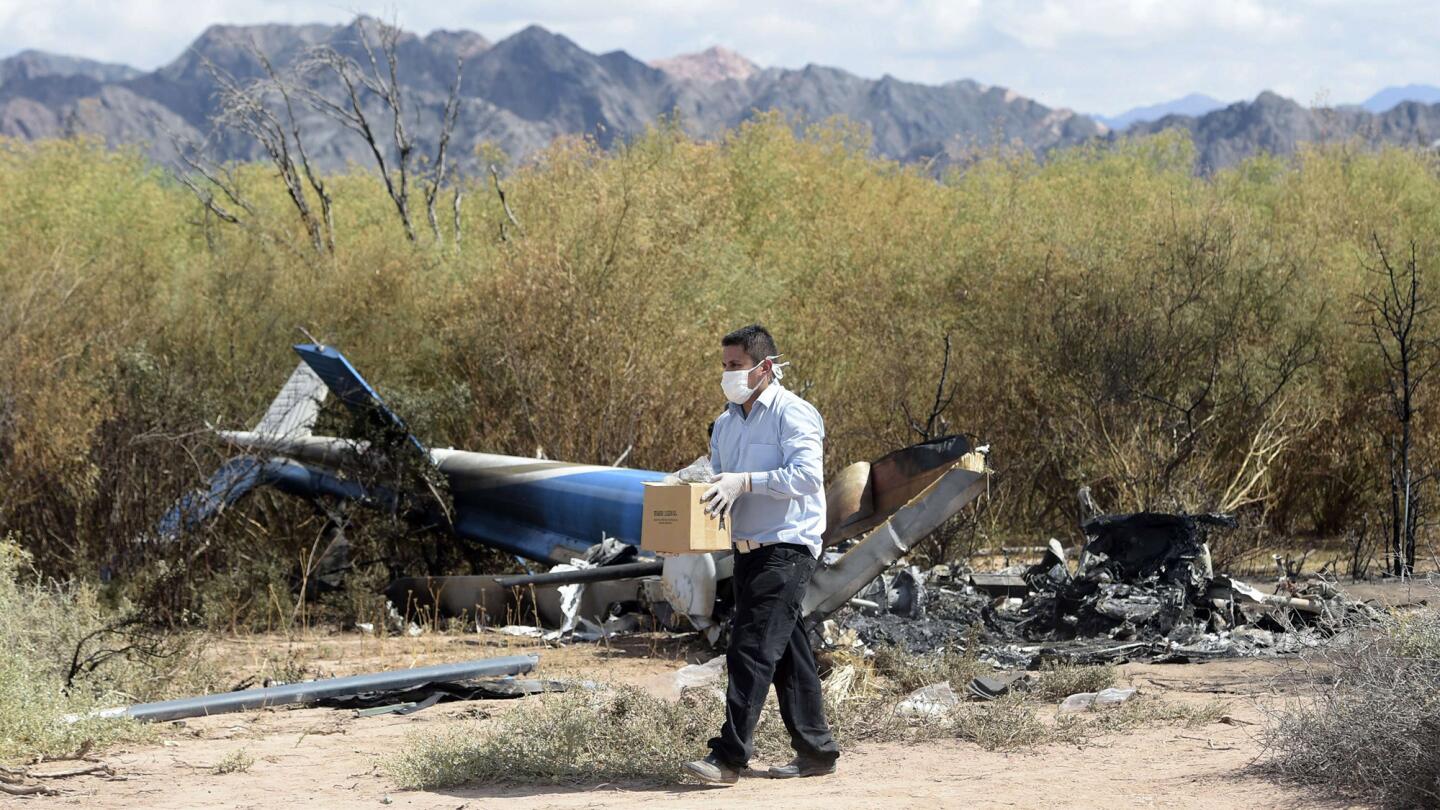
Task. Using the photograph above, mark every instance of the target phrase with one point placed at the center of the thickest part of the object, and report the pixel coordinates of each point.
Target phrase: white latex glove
(724, 489)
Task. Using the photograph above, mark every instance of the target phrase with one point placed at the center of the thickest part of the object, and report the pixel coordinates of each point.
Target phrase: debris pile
(1142, 588)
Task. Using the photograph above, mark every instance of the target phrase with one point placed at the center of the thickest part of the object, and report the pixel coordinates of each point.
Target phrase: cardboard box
(675, 521)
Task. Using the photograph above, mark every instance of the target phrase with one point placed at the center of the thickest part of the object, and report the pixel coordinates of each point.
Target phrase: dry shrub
(609, 734)
(1370, 729)
(237, 761)
(907, 671)
(1003, 724)
(1138, 712)
(66, 655)
(1057, 680)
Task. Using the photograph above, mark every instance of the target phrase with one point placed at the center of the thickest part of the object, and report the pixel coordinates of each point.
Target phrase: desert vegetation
(1170, 340)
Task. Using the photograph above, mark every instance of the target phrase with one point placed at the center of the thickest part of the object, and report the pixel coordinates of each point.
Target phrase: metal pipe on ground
(311, 691)
(602, 574)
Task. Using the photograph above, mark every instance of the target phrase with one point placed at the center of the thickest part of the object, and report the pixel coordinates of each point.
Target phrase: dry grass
(1139, 712)
(1370, 731)
(623, 734)
(1057, 681)
(237, 761)
(611, 734)
(905, 671)
(1005, 724)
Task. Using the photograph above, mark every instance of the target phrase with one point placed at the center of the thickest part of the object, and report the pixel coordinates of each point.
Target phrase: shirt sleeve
(714, 448)
(802, 439)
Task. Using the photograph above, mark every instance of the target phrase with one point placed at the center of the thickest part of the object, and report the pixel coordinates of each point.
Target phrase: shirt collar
(766, 398)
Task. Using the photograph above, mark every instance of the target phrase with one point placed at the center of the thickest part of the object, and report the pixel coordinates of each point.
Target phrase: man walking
(766, 450)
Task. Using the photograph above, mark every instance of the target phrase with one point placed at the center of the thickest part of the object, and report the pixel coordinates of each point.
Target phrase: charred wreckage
(1141, 588)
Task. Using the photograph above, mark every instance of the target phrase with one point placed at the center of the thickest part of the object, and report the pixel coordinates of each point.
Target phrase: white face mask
(736, 384)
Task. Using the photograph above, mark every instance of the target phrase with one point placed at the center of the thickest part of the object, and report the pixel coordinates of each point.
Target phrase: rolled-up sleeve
(802, 439)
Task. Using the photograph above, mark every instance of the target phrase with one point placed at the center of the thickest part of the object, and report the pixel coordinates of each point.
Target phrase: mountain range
(1277, 125)
(525, 90)
(519, 93)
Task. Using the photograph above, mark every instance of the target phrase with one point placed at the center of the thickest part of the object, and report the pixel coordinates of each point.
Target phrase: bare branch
(455, 207)
(500, 191)
(245, 108)
(447, 126)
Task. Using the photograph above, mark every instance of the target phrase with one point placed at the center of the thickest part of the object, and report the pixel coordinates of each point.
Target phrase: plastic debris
(693, 676)
(935, 700)
(697, 472)
(1091, 701)
(989, 687)
(523, 630)
(613, 626)
(833, 635)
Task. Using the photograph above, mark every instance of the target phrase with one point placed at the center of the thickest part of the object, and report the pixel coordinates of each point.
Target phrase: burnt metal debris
(1142, 588)
(411, 699)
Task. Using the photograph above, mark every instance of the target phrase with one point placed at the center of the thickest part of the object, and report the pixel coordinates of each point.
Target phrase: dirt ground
(327, 758)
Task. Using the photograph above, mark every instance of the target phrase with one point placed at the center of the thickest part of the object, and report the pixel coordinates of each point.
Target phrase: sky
(1093, 56)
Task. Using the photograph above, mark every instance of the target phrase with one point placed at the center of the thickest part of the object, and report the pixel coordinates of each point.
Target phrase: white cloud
(1054, 23)
(1092, 55)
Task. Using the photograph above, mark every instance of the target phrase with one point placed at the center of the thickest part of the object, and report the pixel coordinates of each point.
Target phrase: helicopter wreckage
(582, 519)
(1142, 586)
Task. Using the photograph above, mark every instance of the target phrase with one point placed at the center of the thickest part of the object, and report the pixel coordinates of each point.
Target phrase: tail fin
(294, 409)
(337, 374)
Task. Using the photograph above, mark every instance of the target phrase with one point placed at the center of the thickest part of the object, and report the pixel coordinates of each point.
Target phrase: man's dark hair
(754, 339)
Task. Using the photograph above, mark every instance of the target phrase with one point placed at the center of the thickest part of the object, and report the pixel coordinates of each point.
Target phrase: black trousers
(768, 643)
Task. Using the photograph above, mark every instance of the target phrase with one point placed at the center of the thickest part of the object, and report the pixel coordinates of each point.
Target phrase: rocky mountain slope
(708, 66)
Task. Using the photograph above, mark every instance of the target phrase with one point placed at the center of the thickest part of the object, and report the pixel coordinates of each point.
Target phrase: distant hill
(1192, 104)
(28, 65)
(1278, 125)
(1386, 99)
(519, 93)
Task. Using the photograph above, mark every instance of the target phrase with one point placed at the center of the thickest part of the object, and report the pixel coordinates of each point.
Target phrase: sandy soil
(325, 758)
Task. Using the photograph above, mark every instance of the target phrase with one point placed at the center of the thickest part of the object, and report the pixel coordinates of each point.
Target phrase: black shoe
(800, 766)
(711, 769)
